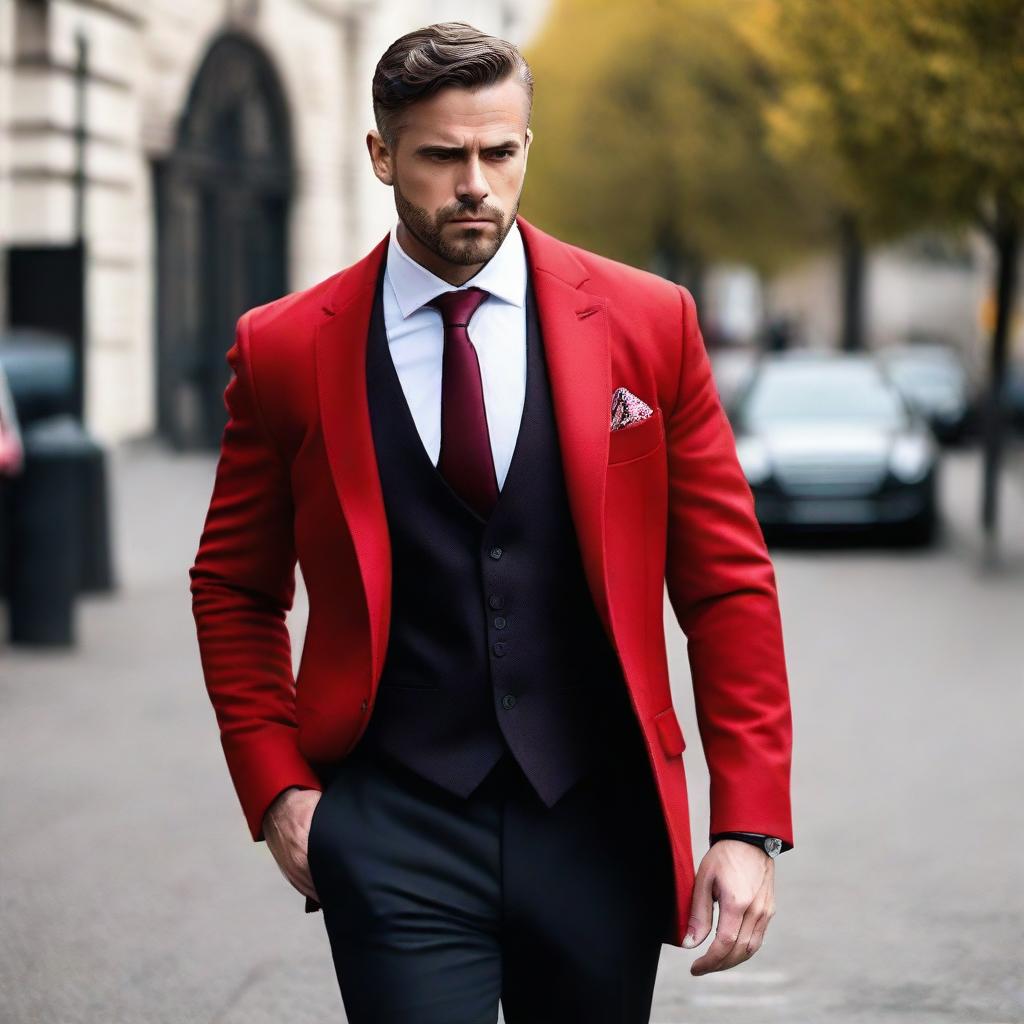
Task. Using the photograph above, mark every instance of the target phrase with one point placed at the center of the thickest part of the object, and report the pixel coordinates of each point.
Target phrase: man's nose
(473, 187)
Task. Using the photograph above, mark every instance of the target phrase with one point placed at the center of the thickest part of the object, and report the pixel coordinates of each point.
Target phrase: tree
(814, 119)
(650, 144)
(918, 108)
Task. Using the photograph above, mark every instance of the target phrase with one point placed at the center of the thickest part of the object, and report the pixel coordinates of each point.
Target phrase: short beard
(474, 248)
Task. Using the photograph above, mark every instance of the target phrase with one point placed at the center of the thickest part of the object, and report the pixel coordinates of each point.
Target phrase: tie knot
(457, 307)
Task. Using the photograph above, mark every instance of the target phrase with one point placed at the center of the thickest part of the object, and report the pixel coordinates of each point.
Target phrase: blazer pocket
(635, 440)
(669, 732)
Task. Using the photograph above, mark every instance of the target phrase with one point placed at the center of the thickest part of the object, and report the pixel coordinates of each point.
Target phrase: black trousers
(437, 906)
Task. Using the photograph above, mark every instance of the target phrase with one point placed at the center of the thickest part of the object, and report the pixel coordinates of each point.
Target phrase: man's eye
(502, 152)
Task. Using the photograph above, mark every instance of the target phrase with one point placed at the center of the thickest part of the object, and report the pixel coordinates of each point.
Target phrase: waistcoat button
(500, 648)
(499, 621)
(495, 553)
(496, 601)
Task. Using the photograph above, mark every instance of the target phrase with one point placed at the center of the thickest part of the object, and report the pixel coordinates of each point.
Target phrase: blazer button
(508, 701)
(495, 553)
(500, 648)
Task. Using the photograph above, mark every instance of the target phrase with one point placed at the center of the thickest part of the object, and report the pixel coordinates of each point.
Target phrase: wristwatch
(771, 845)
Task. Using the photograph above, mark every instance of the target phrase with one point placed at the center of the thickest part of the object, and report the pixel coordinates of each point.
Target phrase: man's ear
(380, 157)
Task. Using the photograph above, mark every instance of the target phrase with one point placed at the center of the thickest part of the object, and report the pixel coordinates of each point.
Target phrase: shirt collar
(503, 275)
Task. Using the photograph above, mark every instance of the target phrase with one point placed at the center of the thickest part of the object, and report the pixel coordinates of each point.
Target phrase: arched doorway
(223, 197)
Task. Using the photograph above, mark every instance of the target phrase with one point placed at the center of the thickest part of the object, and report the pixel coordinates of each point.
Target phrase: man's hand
(286, 830)
(742, 879)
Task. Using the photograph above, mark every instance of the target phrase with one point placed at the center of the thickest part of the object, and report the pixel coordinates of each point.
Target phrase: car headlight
(753, 456)
(910, 458)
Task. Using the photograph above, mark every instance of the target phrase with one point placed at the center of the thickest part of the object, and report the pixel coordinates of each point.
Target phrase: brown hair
(422, 62)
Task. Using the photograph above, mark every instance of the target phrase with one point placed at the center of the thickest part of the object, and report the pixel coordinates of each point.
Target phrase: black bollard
(45, 537)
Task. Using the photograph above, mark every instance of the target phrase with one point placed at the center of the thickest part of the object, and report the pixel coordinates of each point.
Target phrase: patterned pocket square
(627, 409)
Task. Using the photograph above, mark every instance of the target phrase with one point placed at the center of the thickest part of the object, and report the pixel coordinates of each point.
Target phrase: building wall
(923, 287)
(143, 56)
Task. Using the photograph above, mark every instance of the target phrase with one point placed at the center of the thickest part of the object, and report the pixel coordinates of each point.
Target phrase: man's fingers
(765, 904)
(730, 920)
(305, 885)
(307, 873)
(722, 955)
(298, 874)
(757, 937)
(741, 950)
(701, 910)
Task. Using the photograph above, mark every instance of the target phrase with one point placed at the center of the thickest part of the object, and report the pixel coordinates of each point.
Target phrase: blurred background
(841, 187)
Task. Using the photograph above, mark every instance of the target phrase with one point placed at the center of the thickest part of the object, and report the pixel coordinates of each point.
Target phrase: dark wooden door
(224, 195)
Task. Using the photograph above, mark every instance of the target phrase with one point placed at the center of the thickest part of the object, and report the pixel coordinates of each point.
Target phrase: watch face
(772, 846)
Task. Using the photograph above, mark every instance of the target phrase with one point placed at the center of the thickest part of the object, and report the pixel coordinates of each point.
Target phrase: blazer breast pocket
(636, 440)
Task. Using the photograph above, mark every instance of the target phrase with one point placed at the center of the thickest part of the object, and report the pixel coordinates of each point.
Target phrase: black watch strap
(771, 845)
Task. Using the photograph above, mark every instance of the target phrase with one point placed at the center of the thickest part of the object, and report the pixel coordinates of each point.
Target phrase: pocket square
(627, 408)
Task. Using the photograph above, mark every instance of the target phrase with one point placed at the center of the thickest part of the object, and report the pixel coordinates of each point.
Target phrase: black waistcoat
(495, 644)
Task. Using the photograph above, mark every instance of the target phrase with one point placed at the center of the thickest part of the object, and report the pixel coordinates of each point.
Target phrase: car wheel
(922, 531)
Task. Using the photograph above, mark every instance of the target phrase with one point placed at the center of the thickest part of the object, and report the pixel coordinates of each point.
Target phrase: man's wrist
(770, 845)
(283, 795)
(280, 799)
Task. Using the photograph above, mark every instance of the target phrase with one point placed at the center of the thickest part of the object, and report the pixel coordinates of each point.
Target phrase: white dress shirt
(497, 331)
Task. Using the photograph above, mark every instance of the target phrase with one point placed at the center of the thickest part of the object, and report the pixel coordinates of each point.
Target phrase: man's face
(457, 169)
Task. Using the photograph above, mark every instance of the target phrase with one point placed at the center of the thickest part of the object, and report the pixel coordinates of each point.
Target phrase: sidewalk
(132, 892)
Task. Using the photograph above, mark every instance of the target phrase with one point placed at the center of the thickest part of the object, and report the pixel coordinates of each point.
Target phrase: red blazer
(663, 501)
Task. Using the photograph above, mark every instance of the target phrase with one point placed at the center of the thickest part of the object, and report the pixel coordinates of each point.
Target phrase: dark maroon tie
(465, 461)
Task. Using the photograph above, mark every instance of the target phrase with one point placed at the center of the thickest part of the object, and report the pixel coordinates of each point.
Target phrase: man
(489, 451)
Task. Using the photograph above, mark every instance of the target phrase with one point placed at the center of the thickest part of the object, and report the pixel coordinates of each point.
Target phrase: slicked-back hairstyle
(422, 62)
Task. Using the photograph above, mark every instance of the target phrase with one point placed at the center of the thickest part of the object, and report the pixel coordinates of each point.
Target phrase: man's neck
(455, 274)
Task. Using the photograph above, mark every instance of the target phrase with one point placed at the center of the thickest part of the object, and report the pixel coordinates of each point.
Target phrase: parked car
(827, 441)
(934, 379)
(1014, 395)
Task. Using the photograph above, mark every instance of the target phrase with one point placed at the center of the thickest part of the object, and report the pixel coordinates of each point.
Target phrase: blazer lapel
(345, 420)
(574, 329)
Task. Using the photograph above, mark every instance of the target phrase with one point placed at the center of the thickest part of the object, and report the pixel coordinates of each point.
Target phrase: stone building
(209, 154)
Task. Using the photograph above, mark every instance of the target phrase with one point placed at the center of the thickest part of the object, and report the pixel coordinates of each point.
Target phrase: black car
(934, 380)
(828, 442)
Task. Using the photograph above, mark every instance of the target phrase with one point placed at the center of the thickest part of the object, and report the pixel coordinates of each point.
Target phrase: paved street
(131, 892)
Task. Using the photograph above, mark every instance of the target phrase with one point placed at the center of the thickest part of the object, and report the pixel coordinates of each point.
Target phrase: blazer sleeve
(721, 585)
(243, 584)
